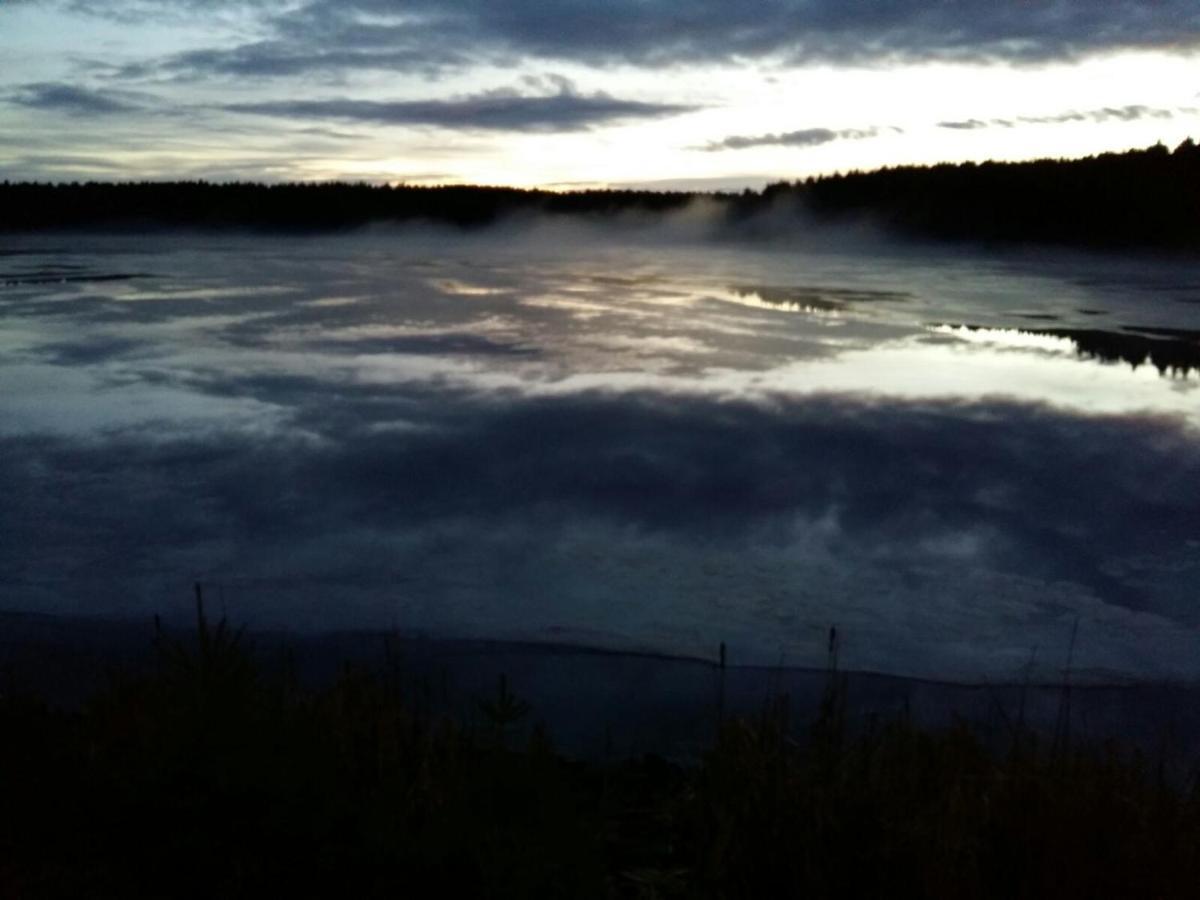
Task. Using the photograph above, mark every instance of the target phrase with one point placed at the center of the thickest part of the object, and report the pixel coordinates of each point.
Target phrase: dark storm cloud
(1058, 495)
(499, 110)
(88, 352)
(696, 465)
(281, 58)
(71, 99)
(423, 35)
(806, 137)
(1131, 113)
(450, 344)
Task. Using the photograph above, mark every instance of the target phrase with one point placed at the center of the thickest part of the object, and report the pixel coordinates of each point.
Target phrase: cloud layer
(497, 110)
(427, 36)
(515, 517)
(805, 137)
(177, 76)
(69, 99)
(1130, 113)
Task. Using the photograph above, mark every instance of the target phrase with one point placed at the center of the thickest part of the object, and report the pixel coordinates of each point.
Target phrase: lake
(634, 438)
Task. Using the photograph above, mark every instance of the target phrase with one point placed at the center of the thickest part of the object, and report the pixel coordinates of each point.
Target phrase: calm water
(623, 440)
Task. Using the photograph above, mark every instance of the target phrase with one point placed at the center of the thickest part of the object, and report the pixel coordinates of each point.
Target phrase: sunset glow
(562, 96)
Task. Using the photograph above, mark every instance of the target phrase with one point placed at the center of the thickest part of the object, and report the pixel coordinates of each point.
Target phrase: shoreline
(603, 703)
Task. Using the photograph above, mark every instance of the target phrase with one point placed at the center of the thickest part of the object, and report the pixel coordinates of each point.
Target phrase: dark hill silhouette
(1140, 199)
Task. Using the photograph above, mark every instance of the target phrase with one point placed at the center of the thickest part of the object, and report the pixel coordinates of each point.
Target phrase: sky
(700, 95)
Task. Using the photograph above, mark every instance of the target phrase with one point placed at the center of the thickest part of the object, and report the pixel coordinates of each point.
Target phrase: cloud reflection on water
(533, 447)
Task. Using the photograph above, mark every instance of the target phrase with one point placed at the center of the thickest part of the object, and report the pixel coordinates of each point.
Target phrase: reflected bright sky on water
(630, 440)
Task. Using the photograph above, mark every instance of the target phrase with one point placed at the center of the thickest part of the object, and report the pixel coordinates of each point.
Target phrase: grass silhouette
(211, 776)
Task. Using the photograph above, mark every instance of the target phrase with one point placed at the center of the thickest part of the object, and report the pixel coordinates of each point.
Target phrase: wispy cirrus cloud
(71, 99)
(1130, 113)
(285, 58)
(504, 109)
(964, 124)
(804, 137)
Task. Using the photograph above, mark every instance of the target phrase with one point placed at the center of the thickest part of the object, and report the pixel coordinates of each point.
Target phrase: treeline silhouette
(331, 205)
(1140, 199)
(1172, 351)
(208, 776)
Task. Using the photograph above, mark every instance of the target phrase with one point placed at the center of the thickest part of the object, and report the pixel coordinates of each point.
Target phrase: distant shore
(1139, 200)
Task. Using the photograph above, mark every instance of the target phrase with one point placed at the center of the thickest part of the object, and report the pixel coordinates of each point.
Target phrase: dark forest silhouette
(1140, 199)
(1172, 351)
(331, 205)
(1177, 354)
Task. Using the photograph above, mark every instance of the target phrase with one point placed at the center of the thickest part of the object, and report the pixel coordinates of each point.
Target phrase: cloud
(35, 165)
(445, 344)
(96, 160)
(283, 58)
(805, 137)
(333, 457)
(1131, 113)
(755, 520)
(498, 110)
(88, 352)
(964, 125)
(1107, 114)
(424, 35)
(70, 99)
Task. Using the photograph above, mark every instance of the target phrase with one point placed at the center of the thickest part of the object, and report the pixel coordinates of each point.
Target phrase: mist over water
(628, 437)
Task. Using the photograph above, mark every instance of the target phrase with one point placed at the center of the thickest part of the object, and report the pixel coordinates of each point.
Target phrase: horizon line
(584, 187)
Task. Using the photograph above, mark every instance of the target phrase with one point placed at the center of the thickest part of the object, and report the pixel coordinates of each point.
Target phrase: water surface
(622, 440)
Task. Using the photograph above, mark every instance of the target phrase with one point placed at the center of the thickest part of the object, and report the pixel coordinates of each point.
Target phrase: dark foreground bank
(200, 768)
(602, 704)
